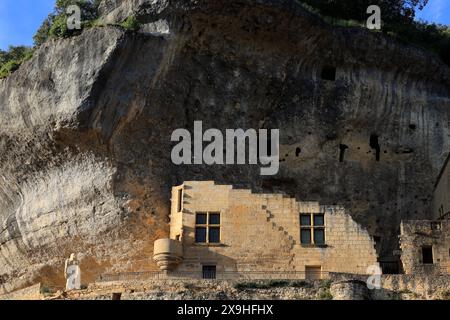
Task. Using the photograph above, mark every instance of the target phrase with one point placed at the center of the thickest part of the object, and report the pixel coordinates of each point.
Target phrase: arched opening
(342, 148)
(374, 144)
(328, 73)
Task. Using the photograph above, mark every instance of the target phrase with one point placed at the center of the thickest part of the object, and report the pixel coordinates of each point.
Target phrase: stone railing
(198, 275)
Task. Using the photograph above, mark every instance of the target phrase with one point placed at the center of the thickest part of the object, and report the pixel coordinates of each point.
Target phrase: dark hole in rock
(412, 126)
(328, 73)
(407, 150)
(331, 136)
(116, 296)
(342, 148)
(297, 152)
(375, 145)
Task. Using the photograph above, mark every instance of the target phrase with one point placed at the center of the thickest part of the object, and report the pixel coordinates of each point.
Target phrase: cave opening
(342, 148)
(297, 152)
(374, 144)
(328, 73)
(116, 296)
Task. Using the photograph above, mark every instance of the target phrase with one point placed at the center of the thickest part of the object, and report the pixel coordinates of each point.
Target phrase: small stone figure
(72, 273)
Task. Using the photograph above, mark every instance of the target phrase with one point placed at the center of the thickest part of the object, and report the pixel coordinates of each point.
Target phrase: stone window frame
(208, 225)
(180, 195)
(312, 227)
(427, 247)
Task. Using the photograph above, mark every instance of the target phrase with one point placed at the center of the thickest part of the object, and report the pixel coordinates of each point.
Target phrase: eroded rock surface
(85, 127)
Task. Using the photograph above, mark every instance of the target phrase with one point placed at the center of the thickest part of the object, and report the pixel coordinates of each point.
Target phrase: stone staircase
(270, 218)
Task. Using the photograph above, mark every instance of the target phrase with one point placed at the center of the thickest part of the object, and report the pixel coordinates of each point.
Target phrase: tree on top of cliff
(11, 60)
(398, 20)
(55, 25)
(392, 10)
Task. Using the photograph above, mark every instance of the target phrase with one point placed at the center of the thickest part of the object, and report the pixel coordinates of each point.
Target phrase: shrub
(130, 23)
(262, 285)
(301, 284)
(326, 295)
(45, 290)
(11, 60)
(326, 283)
(250, 285)
(55, 25)
(278, 283)
(398, 21)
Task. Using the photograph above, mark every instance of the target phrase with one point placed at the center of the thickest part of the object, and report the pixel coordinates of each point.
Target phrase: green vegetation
(301, 284)
(11, 60)
(45, 290)
(325, 295)
(326, 283)
(261, 285)
(55, 25)
(397, 17)
(130, 23)
(397, 20)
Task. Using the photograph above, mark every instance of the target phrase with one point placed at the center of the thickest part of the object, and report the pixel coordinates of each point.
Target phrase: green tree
(44, 30)
(3, 57)
(11, 60)
(55, 25)
(391, 10)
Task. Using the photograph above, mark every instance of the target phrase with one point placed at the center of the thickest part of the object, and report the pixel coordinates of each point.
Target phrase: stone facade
(441, 195)
(425, 246)
(30, 293)
(261, 233)
(350, 290)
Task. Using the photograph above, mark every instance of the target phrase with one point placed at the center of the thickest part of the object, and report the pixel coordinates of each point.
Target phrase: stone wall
(350, 290)
(261, 232)
(394, 287)
(416, 234)
(441, 195)
(29, 293)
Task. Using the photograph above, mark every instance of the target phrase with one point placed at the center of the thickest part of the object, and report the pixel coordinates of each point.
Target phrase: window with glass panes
(312, 228)
(207, 227)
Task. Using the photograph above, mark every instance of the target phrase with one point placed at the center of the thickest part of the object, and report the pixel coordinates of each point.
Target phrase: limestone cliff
(85, 127)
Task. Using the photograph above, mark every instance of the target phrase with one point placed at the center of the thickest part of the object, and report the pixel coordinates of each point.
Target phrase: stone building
(425, 244)
(441, 194)
(216, 230)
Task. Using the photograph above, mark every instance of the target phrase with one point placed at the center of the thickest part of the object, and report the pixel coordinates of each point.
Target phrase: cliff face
(85, 127)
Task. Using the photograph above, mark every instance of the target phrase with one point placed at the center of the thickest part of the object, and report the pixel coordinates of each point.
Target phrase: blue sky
(437, 11)
(19, 19)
